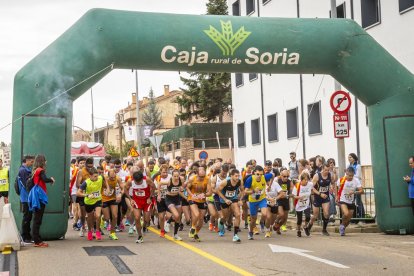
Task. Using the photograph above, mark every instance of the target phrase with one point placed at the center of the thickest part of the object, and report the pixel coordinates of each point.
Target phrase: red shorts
(141, 204)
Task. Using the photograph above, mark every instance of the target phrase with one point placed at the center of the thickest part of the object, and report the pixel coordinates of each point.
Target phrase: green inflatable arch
(106, 39)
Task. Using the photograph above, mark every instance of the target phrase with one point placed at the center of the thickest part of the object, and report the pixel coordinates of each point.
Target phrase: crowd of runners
(183, 195)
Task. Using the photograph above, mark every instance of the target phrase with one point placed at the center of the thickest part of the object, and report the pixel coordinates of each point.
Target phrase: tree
(152, 115)
(207, 95)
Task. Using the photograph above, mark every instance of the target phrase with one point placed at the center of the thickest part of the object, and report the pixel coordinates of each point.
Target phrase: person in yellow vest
(91, 191)
(255, 187)
(198, 188)
(85, 165)
(4, 182)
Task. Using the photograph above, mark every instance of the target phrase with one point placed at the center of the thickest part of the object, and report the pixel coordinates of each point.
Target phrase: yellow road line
(205, 254)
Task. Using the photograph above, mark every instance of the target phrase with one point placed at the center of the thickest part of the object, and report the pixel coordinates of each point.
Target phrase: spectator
(38, 197)
(332, 195)
(293, 166)
(353, 162)
(410, 181)
(4, 182)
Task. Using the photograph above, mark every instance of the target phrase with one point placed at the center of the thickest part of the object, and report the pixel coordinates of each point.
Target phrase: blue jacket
(24, 174)
(37, 196)
(411, 186)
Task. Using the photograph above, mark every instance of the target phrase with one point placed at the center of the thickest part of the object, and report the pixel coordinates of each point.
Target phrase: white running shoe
(167, 227)
(177, 238)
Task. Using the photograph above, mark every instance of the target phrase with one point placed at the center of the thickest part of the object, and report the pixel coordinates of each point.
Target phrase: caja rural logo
(228, 42)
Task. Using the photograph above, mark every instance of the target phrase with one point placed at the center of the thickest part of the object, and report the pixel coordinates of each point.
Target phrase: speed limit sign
(341, 125)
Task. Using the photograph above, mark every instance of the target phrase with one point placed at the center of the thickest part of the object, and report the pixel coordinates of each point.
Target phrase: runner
(283, 203)
(246, 172)
(214, 206)
(173, 202)
(139, 190)
(162, 182)
(230, 192)
(274, 193)
(322, 182)
(198, 188)
(348, 186)
(110, 199)
(73, 189)
(255, 187)
(90, 190)
(301, 193)
(84, 166)
(184, 202)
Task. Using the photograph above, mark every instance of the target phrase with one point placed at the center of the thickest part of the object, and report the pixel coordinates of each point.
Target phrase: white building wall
(282, 92)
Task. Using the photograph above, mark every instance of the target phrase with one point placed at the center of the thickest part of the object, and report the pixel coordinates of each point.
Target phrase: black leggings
(299, 216)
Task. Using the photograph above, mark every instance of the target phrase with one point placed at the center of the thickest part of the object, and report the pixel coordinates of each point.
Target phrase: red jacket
(39, 180)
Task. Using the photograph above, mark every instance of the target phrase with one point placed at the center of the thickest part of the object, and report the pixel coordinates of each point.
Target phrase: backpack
(30, 183)
(16, 185)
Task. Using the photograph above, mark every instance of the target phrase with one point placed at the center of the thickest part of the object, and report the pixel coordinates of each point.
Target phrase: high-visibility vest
(4, 180)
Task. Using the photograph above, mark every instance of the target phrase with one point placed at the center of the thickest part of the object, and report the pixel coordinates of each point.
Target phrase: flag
(130, 133)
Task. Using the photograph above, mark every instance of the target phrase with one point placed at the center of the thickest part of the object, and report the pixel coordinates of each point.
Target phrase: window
(264, 2)
(314, 118)
(292, 123)
(239, 79)
(255, 131)
(370, 13)
(176, 121)
(272, 131)
(249, 6)
(406, 5)
(241, 135)
(252, 76)
(236, 8)
(340, 11)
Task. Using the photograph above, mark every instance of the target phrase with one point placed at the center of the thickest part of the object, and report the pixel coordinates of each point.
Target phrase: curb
(366, 228)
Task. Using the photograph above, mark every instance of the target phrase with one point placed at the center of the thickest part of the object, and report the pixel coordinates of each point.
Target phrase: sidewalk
(352, 228)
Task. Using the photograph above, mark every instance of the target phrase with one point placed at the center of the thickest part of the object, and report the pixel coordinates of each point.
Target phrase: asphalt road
(365, 254)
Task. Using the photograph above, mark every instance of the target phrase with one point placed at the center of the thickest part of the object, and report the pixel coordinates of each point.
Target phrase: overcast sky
(27, 27)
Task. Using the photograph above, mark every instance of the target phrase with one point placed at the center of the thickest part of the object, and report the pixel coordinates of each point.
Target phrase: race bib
(175, 189)
(230, 194)
(270, 203)
(303, 203)
(140, 193)
(323, 189)
(108, 192)
(96, 194)
(3, 181)
(163, 191)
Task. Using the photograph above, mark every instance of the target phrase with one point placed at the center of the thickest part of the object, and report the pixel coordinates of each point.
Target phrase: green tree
(152, 115)
(207, 95)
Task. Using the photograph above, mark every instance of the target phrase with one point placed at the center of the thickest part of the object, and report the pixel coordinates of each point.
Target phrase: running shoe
(79, 224)
(236, 238)
(90, 236)
(342, 230)
(250, 236)
(283, 228)
(221, 233)
(41, 244)
(191, 233)
(299, 233)
(307, 230)
(75, 227)
(262, 227)
(255, 231)
(113, 236)
(82, 232)
(98, 235)
(131, 231)
(140, 240)
(117, 229)
(127, 223)
(177, 238)
(162, 234)
(167, 227)
(246, 225)
(220, 226)
(181, 227)
(325, 233)
(102, 225)
(121, 227)
(216, 229)
(197, 238)
(268, 234)
(109, 228)
(229, 227)
(210, 227)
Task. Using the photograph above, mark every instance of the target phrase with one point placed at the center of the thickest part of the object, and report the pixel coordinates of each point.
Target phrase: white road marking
(301, 252)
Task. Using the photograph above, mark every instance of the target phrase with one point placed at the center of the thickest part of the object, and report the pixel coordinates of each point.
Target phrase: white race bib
(3, 181)
(140, 193)
(323, 189)
(175, 189)
(230, 193)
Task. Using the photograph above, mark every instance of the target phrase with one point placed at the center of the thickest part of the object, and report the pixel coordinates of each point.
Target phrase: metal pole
(93, 123)
(137, 105)
(120, 135)
(340, 142)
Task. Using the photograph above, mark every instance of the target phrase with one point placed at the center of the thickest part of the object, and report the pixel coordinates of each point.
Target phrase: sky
(27, 27)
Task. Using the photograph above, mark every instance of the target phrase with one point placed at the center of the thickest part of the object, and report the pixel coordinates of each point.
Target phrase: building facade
(296, 112)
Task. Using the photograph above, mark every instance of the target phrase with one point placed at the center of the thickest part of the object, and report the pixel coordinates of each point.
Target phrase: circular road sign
(203, 155)
(340, 102)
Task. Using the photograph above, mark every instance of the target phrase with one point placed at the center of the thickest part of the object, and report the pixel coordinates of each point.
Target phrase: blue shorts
(254, 206)
(318, 201)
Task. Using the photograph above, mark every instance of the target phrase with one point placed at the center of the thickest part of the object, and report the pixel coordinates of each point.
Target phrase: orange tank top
(199, 187)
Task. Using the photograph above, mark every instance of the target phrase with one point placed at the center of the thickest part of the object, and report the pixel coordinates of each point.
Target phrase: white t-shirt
(165, 182)
(74, 188)
(122, 174)
(305, 192)
(273, 192)
(348, 187)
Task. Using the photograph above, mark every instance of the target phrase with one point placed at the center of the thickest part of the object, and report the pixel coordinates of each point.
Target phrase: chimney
(134, 98)
(166, 90)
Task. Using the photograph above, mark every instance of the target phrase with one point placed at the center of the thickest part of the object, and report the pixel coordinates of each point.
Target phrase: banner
(130, 133)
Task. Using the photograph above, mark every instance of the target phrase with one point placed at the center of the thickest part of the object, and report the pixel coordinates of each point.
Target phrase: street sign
(203, 155)
(341, 125)
(340, 102)
(133, 152)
